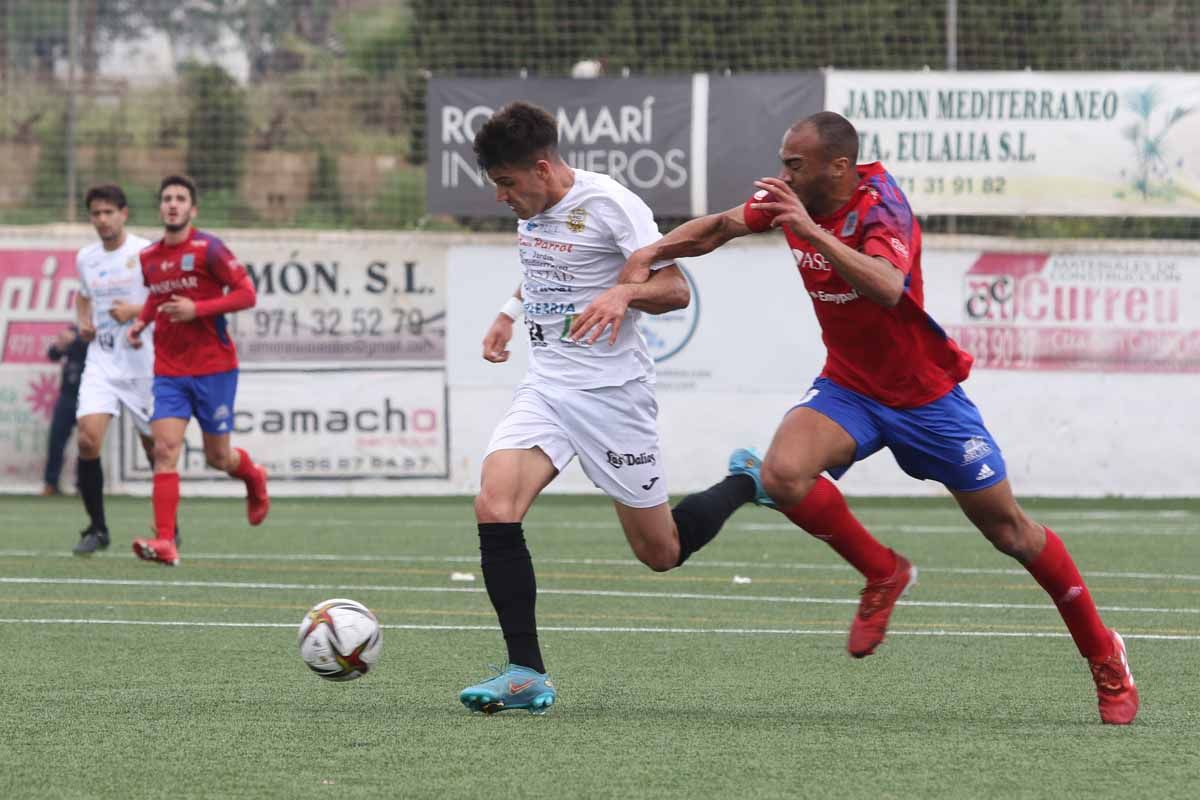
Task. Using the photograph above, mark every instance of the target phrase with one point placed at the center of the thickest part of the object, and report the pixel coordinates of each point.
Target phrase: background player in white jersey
(591, 400)
(115, 374)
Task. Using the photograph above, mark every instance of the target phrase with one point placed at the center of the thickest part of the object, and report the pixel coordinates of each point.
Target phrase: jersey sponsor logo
(849, 225)
(974, 449)
(174, 284)
(557, 247)
(188, 262)
(899, 246)
(838, 298)
(650, 485)
(549, 308)
(618, 460)
(809, 260)
(222, 412)
(577, 220)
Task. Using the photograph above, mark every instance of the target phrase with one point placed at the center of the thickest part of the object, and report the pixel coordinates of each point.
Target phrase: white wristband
(512, 308)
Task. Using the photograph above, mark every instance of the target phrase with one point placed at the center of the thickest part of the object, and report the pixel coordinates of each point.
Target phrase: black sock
(91, 489)
(512, 588)
(699, 517)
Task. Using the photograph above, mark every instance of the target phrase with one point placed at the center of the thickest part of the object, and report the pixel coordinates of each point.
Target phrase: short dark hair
(108, 192)
(837, 134)
(516, 136)
(178, 180)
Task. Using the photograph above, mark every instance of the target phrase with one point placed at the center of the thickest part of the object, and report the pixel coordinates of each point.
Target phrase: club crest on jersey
(849, 225)
(576, 220)
(188, 263)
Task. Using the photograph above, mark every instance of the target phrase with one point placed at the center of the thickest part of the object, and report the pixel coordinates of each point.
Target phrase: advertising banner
(1054, 143)
(328, 424)
(687, 144)
(638, 130)
(1086, 312)
(338, 298)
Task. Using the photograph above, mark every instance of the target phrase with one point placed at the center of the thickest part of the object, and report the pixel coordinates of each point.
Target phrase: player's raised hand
(495, 341)
(786, 207)
(607, 310)
(179, 308)
(122, 312)
(134, 335)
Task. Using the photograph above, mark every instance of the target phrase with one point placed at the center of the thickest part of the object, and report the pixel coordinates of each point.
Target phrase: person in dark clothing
(72, 351)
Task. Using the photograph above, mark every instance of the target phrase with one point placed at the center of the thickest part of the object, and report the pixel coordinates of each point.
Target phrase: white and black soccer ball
(340, 639)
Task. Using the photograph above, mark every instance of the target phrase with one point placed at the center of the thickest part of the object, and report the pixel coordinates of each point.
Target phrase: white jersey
(570, 253)
(105, 277)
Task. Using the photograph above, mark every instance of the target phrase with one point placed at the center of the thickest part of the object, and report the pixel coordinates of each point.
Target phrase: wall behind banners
(362, 372)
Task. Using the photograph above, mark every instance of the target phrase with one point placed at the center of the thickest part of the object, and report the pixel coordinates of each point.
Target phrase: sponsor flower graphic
(1152, 179)
(43, 394)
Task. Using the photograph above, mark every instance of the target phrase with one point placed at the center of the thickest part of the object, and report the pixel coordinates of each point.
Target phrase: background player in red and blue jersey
(188, 273)
(891, 379)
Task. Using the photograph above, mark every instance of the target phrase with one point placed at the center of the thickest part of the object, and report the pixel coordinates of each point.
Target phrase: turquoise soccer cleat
(515, 687)
(748, 461)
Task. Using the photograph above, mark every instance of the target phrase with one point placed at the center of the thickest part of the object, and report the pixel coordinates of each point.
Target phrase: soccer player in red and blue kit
(891, 380)
(194, 280)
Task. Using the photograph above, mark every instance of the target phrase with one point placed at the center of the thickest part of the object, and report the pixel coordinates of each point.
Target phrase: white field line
(593, 562)
(565, 592)
(606, 629)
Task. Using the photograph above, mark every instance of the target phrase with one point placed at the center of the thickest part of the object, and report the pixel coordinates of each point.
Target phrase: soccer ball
(340, 639)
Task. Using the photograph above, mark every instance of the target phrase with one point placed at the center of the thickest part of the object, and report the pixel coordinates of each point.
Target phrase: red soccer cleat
(161, 550)
(258, 503)
(875, 608)
(1114, 685)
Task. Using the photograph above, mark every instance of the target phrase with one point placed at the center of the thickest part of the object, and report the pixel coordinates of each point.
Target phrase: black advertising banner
(747, 117)
(638, 130)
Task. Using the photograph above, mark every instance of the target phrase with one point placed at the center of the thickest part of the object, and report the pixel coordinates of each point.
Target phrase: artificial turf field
(124, 679)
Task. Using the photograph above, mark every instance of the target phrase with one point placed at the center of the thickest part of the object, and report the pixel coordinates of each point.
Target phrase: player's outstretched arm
(666, 290)
(696, 237)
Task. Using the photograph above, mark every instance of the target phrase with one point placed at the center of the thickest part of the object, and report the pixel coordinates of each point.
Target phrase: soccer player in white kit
(115, 375)
(588, 399)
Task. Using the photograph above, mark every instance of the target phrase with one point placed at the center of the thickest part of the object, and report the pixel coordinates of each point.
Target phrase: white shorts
(613, 431)
(101, 394)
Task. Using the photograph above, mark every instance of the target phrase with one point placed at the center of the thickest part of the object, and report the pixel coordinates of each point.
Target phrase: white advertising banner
(327, 424)
(1054, 143)
(332, 298)
(1079, 311)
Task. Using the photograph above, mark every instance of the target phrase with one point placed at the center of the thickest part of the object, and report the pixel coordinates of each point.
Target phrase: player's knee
(1012, 538)
(659, 559)
(489, 507)
(165, 452)
(89, 445)
(785, 487)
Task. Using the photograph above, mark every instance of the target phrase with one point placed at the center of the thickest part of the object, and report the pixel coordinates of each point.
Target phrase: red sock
(824, 514)
(165, 499)
(1055, 572)
(247, 470)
